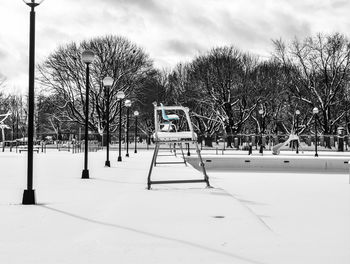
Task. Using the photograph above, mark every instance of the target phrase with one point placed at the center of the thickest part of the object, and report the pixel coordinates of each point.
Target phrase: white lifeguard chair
(166, 136)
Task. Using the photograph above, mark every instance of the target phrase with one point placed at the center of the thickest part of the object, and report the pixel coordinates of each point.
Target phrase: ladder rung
(176, 181)
(171, 162)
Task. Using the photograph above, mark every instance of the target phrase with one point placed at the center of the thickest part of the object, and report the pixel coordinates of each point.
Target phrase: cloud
(340, 4)
(203, 23)
(146, 5)
(289, 26)
(182, 47)
(3, 54)
(54, 33)
(171, 31)
(2, 78)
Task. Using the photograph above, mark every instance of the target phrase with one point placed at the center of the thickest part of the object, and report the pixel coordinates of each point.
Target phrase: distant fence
(218, 143)
(307, 142)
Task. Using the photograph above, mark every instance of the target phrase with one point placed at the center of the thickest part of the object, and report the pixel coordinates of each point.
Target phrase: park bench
(64, 147)
(9, 144)
(25, 148)
(93, 147)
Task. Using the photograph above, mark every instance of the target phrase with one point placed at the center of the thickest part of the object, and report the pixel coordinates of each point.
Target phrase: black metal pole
(188, 149)
(127, 132)
(256, 133)
(276, 123)
(135, 151)
(316, 116)
(296, 130)
(263, 125)
(85, 173)
(107, 163)
(120, 131)
(17, 126)
(346, 129)
(261, 150)
(29, 193)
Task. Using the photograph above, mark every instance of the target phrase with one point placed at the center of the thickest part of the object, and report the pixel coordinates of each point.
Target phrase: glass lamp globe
(127, 103)
(136, 113)
(107, 81)
(315, 110)
(297, 112)
(87, 56)
(261, 111)
(120, 95)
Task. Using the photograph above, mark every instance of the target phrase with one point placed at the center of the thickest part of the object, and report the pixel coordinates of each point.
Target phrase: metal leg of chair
(202, 165)
(169, 126)
(155, 153)
(182, 152)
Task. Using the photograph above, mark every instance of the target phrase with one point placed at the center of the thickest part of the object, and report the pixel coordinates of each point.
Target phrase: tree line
(228, 91)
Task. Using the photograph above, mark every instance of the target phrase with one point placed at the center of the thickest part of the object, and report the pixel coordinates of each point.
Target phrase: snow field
(248, 217)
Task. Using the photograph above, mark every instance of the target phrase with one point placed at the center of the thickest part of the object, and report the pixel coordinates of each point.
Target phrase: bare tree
(318, 73)
(63, 73)
(223, 77)
(16, 121)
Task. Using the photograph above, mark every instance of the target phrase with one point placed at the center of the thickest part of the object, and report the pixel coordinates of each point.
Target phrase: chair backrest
(165, 117)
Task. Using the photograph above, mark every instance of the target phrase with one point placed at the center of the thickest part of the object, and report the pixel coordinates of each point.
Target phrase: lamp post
(29, 193)
(136, 114)
(127, 104)
(87, 57)
(261, 150)
(107, 83)
(120, 96)
(297, 113)
(346, 129)
(315, 112)
(17, 125)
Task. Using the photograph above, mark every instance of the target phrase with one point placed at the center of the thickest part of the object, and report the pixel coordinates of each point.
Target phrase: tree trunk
(208, 141)
(229, 136)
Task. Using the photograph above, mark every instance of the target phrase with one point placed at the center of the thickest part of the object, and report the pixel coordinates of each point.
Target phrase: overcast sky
(171, 31)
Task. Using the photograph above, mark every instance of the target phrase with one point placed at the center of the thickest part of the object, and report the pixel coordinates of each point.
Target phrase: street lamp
(29, 193)
(261, 112)
(136, 114)
(315, 112)
(87, 57)
(297, 113)
(120, 97)
(127, 104)
(107, 83)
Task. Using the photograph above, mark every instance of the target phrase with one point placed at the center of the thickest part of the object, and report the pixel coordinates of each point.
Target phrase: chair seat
(163, 136)
(173, 117)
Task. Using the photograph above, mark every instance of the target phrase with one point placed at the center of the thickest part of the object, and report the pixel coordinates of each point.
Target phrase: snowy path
(112, 218)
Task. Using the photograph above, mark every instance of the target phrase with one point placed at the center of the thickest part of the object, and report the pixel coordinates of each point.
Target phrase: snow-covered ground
(248, 217)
